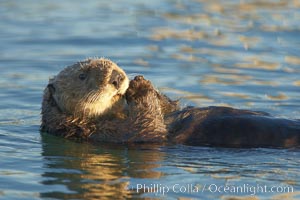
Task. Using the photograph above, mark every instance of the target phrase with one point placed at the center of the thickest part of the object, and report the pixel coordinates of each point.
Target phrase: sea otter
(94, 100)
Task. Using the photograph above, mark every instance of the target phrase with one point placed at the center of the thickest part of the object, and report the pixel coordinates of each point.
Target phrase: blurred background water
(244, 54)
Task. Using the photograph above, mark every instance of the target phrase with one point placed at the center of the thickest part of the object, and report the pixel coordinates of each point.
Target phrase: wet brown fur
(138, 113)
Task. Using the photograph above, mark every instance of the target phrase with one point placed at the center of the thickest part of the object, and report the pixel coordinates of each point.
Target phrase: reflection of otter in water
(103, 172)
(94, 100)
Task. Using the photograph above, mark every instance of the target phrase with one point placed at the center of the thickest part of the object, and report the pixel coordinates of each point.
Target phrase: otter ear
(51, 88)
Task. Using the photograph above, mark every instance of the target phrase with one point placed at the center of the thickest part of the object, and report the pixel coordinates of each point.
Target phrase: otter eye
(82, 76)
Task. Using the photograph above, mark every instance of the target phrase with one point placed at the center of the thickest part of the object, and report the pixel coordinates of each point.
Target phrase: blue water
(244, 54)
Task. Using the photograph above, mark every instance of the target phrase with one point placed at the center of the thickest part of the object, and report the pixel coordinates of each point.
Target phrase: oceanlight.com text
(247, 189)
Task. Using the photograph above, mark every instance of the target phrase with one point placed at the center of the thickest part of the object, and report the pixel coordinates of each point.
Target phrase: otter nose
(116, 79)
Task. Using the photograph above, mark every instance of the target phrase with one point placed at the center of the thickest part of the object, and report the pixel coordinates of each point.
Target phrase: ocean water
(244, 54)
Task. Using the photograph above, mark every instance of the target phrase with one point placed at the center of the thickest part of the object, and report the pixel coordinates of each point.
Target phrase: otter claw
(138, 88)
(139, 78)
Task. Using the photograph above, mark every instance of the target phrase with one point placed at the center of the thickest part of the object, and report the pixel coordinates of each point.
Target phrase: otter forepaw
(138, 87)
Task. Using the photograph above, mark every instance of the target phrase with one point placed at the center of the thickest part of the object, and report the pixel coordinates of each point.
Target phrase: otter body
(95, 101)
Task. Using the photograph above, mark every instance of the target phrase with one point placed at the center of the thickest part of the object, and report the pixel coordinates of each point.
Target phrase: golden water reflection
(233, 45)
(258, 64)
(166, 33)
(237, 95)
(292, 60)
(98, 173)
(226, 79)
(279, 96)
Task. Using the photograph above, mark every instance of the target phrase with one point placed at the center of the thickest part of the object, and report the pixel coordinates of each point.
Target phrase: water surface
(244, 54)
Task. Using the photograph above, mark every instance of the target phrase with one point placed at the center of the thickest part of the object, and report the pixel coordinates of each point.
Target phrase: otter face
(89, 88)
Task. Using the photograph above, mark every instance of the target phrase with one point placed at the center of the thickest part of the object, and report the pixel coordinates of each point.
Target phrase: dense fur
(94, 100)
(82, 101)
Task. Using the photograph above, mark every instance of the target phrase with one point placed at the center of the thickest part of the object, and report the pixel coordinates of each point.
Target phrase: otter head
(89, 88)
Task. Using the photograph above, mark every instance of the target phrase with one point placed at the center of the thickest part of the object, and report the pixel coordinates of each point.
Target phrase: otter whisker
(93, 97)
(81, 66)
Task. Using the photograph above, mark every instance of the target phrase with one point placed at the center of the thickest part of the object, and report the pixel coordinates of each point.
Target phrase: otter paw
(138, 88)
